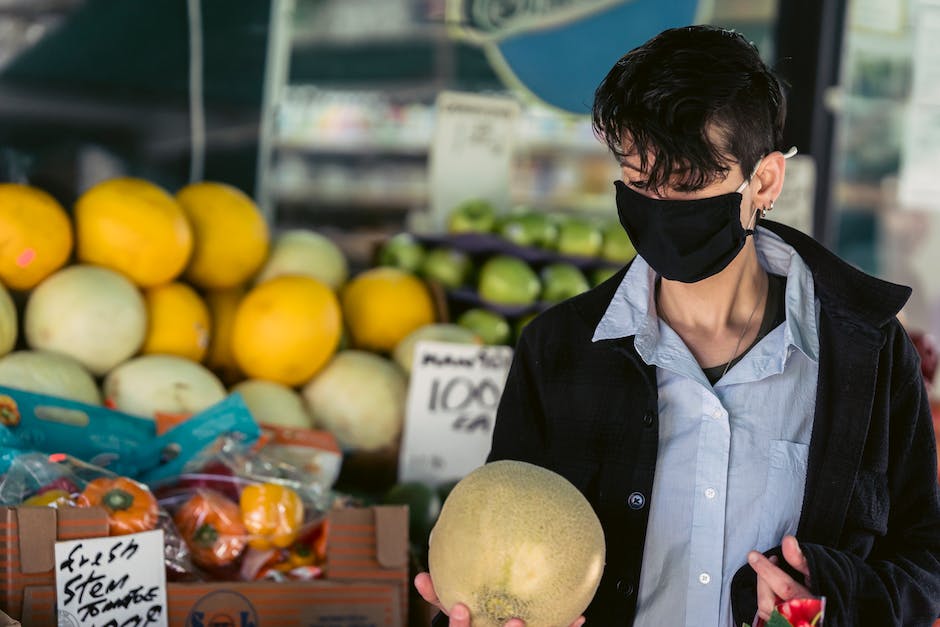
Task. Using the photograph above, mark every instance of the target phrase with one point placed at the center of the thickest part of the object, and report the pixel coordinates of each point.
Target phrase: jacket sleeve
(520, 432)
(899, 583)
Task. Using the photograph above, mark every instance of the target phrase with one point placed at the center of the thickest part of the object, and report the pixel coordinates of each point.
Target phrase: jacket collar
(844, 292)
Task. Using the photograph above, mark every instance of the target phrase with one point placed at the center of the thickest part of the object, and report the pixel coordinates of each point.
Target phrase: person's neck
(719, 306)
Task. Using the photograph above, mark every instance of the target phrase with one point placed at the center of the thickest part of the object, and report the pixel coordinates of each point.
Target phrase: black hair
(661, 99)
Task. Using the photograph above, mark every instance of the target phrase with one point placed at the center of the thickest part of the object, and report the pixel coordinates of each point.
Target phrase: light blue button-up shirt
(731, 464)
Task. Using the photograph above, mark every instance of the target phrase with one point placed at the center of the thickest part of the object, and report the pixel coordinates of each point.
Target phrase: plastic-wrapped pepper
(48, 498)
(272, 514)
(130, 505)
(211, 525)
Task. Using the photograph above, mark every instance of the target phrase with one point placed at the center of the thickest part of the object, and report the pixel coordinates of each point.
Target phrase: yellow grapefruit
(222, 307)
(36, 236)
(230, 234)
(286, 329)
(178, 322)
(383, 305)
(134, 227)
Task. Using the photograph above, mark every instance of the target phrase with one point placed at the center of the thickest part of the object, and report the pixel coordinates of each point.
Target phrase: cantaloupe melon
(45, 372)
(92, 314)
(515, 540)
(167, 384)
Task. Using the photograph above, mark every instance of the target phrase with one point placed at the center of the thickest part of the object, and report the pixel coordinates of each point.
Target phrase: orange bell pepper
(130, 505)
(211, 525)
(272, 515)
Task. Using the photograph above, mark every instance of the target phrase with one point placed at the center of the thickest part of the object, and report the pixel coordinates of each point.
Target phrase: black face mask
(683, 240)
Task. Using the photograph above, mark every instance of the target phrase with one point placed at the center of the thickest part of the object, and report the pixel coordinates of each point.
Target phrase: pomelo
(178, 322)
(383, 305)
(134, 227)
(286, 329)
(230, 235)
(516, 540)
(37, 236)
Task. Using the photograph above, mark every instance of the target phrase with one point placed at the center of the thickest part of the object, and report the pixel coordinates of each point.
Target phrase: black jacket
(870, 524)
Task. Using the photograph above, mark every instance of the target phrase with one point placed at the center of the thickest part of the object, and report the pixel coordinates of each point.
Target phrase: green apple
(402, 251)
(489, 325)
(529, 228)
(506, 280)
(561, 281)
(617, 245)
(599, 275)
(578, 237)
(447, 266)
(472, 216)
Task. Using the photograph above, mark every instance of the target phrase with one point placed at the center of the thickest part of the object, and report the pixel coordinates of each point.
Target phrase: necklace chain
(737, 345)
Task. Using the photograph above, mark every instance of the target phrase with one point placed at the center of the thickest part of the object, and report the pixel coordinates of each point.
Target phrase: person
(741, 407)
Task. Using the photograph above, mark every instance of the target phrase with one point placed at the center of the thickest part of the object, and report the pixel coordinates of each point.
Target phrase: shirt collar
(632, 312)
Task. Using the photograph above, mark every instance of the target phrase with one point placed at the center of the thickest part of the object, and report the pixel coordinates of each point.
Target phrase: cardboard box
(367, 570)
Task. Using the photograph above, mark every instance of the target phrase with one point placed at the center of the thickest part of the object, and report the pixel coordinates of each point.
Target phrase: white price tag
(471, 152)
(117, 581)
(452, 399)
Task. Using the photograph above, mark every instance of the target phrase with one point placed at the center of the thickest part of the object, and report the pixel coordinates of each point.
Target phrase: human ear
(768, 180)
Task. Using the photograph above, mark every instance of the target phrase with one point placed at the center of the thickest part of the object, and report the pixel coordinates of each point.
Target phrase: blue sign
(559, 51)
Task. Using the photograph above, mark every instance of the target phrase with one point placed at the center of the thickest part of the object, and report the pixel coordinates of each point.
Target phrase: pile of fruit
(160, 304)
(500, 270)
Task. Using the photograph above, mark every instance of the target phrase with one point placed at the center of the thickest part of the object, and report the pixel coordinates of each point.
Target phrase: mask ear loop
(763, 210)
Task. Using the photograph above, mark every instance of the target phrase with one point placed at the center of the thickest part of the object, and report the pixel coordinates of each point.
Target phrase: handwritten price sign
(452, 399)
(111, 582)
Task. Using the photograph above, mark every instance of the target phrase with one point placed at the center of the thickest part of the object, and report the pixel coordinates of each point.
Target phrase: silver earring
(763, 212)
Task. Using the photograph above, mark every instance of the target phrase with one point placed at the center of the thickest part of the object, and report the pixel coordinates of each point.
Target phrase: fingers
(794, 556)
(579, 622)
(780, 583)
(514, 622)
(425, 588)
(766, 599)
(459, 616)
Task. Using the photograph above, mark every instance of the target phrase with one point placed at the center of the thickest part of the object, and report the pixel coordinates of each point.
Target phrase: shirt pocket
(782, 501)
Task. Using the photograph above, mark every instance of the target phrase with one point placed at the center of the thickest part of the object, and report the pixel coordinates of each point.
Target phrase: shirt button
(704, 578)
(636, 501)
(716, 413)
(710, 493)
(648, 420)
(625, 588)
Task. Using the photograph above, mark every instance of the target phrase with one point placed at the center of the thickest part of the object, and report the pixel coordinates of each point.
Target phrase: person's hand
(460, 613)
(773, 584)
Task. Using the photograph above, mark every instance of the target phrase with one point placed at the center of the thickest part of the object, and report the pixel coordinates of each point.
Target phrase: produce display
(171, 302)
(511, 265)
(517, 540)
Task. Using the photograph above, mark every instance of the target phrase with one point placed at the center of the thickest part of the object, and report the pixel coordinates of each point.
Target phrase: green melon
(517, 541)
